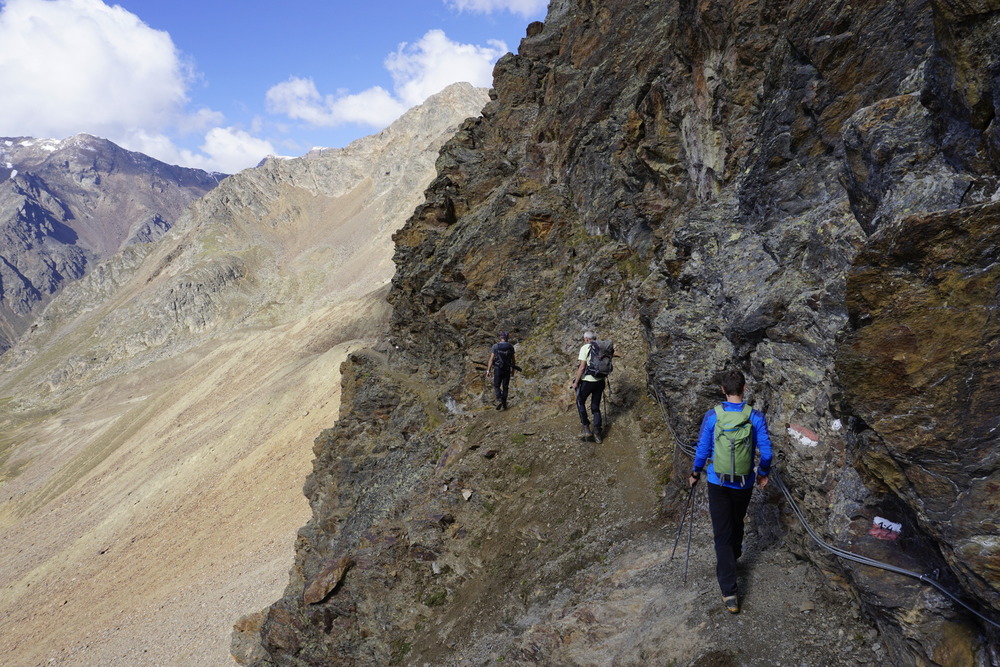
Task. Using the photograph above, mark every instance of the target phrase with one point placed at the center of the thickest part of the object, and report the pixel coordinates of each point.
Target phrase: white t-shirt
(584, 356)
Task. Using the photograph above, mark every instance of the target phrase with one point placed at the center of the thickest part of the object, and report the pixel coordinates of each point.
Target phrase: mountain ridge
(65, 205)
(157, 418)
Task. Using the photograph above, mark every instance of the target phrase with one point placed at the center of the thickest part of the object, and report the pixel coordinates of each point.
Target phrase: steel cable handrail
(864, 560)
(837, 551)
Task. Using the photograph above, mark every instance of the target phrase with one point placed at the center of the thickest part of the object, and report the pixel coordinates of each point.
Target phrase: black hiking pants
(728, 508)
(501, 383)
(594, 390)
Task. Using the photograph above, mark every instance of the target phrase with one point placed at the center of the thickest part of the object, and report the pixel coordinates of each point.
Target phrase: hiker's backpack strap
(592, 356)
(599, 360)
(503, 356)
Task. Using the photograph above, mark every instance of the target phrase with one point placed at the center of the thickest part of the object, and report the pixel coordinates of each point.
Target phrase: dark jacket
(503, 356)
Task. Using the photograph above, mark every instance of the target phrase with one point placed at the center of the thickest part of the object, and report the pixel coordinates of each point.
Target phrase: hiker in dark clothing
(500, 366)
(730, 433)
(587, 386)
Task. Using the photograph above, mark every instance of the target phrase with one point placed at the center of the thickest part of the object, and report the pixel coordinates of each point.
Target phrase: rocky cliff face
(66, 205)
(916, 364)
(803, 191)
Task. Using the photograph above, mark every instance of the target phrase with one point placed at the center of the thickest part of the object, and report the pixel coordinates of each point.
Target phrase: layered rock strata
(798, 190)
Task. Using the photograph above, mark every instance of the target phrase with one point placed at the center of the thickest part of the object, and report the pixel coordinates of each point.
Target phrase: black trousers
(593, 390)
(501, 382)
(728, 508)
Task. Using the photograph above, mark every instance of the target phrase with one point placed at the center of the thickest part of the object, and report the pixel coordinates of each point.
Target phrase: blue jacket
(761, 441)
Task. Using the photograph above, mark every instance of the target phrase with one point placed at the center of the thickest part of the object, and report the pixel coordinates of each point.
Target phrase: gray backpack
(600, 362)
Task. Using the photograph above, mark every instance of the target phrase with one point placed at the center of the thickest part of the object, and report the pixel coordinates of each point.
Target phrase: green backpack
(732, 456)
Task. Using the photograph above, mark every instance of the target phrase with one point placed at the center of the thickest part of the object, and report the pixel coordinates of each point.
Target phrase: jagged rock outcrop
(66, 205)
(917, 365)
(712, 184)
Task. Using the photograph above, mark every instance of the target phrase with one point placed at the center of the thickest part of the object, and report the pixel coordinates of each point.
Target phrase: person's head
(589, 335)
(733, 383)
(504, 336)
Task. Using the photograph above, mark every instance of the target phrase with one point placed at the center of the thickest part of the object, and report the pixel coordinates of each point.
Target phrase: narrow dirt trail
(633, 605)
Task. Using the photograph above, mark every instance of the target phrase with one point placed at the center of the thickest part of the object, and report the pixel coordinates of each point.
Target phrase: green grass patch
(520, 471)
(632, 266)
(400, 648)
(436, 598)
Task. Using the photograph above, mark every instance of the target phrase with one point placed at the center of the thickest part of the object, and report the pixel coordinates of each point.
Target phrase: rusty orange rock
(327, 580)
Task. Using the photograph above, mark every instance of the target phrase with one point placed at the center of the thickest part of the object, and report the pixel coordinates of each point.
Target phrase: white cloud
(72, 66)
(525, 8)
(75, 66)
(199, 121)
(300, 100)
(235, 149)
(418, 71)
(224, 149)
(422, 69)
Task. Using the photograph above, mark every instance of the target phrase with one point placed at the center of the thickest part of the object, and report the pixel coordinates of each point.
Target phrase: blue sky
(220, 85)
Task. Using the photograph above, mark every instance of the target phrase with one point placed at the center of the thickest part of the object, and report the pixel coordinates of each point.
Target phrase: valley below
(157, 419)
(164, 505)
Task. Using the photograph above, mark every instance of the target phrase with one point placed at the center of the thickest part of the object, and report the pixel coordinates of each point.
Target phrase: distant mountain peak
(67, 203)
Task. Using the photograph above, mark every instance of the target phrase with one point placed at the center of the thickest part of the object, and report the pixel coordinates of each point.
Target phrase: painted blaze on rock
(921, 365)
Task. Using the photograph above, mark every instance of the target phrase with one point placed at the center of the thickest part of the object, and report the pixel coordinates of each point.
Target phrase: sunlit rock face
(919, 364)
(267, 246)
(758, 185)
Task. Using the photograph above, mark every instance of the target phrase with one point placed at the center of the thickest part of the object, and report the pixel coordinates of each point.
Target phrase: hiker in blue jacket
(730, 433)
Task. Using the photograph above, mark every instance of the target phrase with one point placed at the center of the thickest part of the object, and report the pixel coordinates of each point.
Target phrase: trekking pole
(687, 556)
(680, 526)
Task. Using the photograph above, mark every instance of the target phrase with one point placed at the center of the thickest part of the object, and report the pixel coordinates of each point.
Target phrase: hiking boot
(732, 603)
(503, 406)
(597, 435)
(499, 405)
(585, 432)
